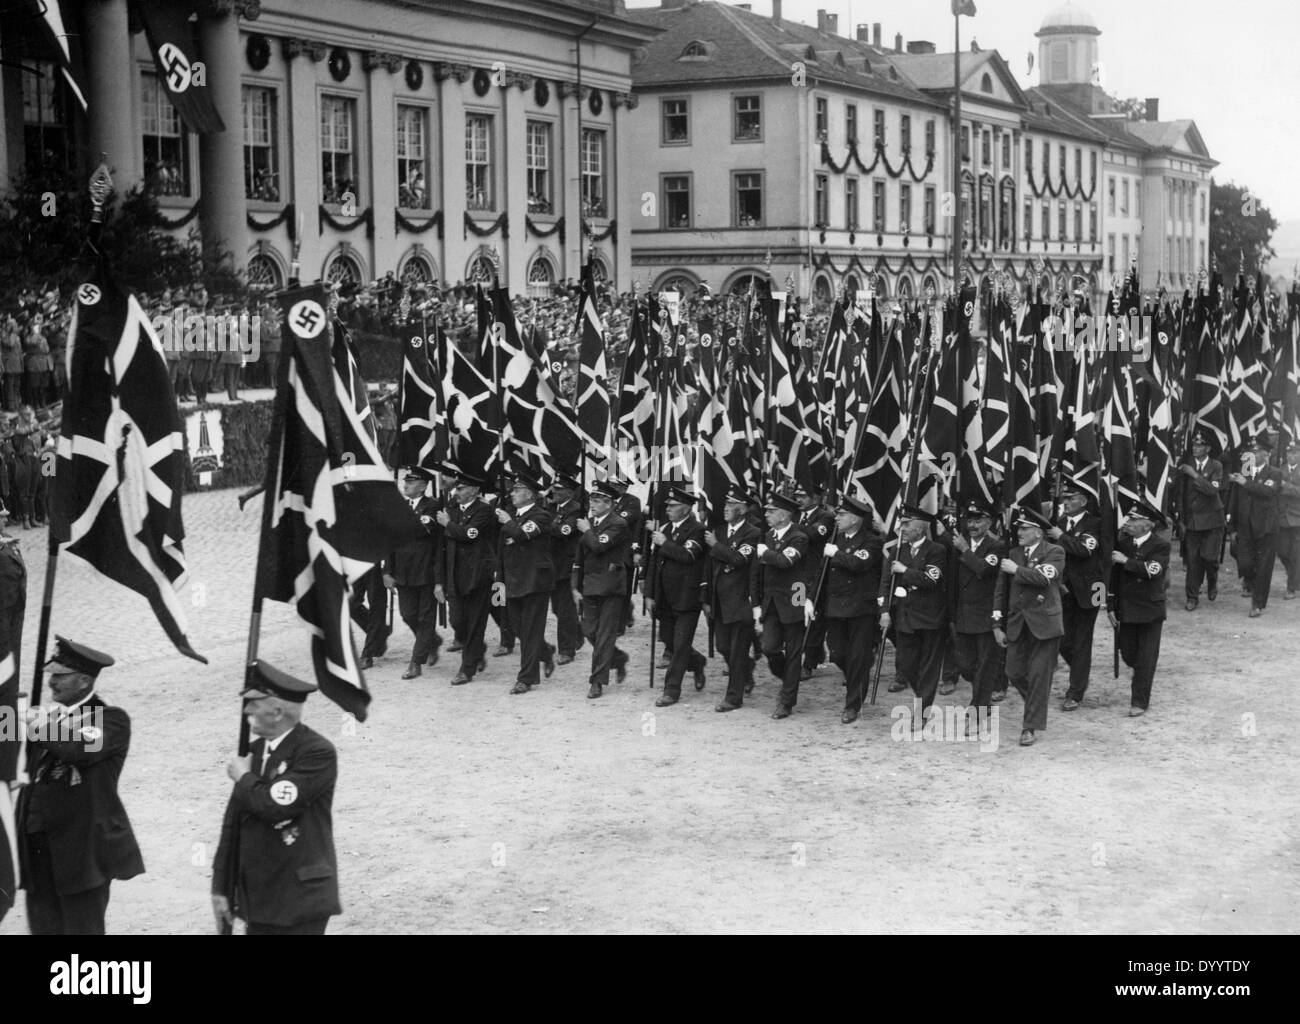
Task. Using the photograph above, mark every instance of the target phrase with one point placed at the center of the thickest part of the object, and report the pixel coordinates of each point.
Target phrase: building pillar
(303, 177)
(451, 137)
(110, 89)
(221, 154)
(514, 183)
(383, 161)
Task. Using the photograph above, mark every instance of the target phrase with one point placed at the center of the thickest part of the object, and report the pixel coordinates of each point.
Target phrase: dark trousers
(48, 913)
(850, 642)
(1076, 645)
(316, 927)
(678, 632)
(783, 647)
(527, 617)
(1203, 549)
(1289, 552)
(602, 621)
(1029, 668)
(501, 617)
(1256, 553)
(1139, 646)
(814, 643)
(568, 631)
(368, 606)
(232, 372)
(468, 618)
(918, 660)
(978, 657)
(733, 640)
(419, 610)
(13, 382)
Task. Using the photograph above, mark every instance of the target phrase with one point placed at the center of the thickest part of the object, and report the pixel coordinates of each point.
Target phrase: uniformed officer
(912, 585)
(1289, 536)
(444, 499)
(1029, 588)
(1254, 515)
(74, 836)
(275, 866)
(849, 610)
(599, 581)
(411, 570)
(1079, 534)
(780, 591)
(731, 561)
(818, 522)
(1203, 520)
(529, 575)
(976, 654)
(1143, 558)
(564, 547)
(628, 508)
(13, 594)
(469, 533)
(676, 579)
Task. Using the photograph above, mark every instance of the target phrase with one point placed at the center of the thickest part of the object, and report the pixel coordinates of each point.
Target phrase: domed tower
(1067, 46)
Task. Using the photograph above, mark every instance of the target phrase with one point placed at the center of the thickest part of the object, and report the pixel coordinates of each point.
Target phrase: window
(478, 163)
(929, 137)
(965, 143)
(749, 121)
(1006, 151)
(905, 132)
(878, 205)
(1092, 167)
(929, 209)
(1078, 166)
(851, 204)
(1060, 220)
(1078, 222)
(540, 195)
(1170, 191)
(905, 208)
(821, 117)
(1029, 155)
(1169, 253)
(986, 83)
(851, 122)
(879, 119)
(694, 51)
(677, 201)
(1179, 189)
(1092, 222)
(1060, 163)
(1137, 202)
(1047, 222)
(1110, 253)
(260, 178)
(166, 143)
(1029, 219)
(748, 211)
(1202, 263)
(676, 122)
(986, 147)
(821, 201)
(412, 159)
(1124, 268)
(593, 173)
(338, 159)
(1123, 198)
(1047, 159)
(1110, 196)
(1202, 207)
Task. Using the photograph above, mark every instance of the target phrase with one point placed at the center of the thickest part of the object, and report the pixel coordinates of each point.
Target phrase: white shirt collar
(70, 708)
(1030, 550)
(1139, 541)
(779, 534)
(521, 512)
(272, 744)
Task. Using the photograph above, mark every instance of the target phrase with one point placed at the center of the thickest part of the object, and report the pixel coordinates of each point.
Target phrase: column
(383, 167)
(221, 154)
(451, 114)
(514, 195)
(110, 89)
(569, 188)
(303, 173)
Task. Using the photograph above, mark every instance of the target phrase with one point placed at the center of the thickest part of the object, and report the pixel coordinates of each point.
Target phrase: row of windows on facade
(167, 155)
(1179, 254)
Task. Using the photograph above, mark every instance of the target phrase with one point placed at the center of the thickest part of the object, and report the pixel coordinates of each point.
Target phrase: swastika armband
(472, 533)
(692, 546)
(791, 553)
(1048, 571)
(1089, 541)
(603, 538)
(932, 571)
(566, 529)
(284, 792)
(747, 549)
(991, 558)
(530, 527)
(1153, 568)
(862, 553)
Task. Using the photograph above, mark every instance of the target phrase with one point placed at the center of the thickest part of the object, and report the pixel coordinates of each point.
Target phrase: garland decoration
(366, 217)
(609, 232)
(274, 222)
(854, 159)
(531, 227)
(182, 220)
(413, 227)
(502, 223)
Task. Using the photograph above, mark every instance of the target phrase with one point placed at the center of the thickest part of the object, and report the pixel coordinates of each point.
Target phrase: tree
(1240, 228)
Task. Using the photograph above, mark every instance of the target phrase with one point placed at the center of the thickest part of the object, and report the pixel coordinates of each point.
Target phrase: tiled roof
(745, 45)
(1061, 120)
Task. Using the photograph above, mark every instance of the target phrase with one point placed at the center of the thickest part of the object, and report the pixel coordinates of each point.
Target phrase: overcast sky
(1233, 68)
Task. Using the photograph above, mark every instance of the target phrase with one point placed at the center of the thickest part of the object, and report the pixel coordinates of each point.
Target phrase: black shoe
(502, 650)
(482, 665)
(849, 716)
(367, 662)
(563, 659)
(749, 686)
(947, 687)
(1256, 611)
(1211, 593)
(594, 692)
(897, 687)
(726, 705)
(620, 669)
(1192, 603)
(459, 679)
(1027, 738)
(781, 711)
(412, 670)
(805, 673)
(665, 702)
(455, 645)
(1070, 704)
(998, 696)
(698, 673)
(548, 665)
(432, 659)
(519, 688)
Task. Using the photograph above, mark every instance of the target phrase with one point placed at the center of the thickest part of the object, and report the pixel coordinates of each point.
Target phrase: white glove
(830, 551)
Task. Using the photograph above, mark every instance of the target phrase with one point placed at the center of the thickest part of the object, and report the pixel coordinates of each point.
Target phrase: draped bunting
(855, 160)
(285, 215)
(366, 217)
(414, 228)
(609, 232)
(182, 220)
(531, 227)
(502, 224)
(1062, 189)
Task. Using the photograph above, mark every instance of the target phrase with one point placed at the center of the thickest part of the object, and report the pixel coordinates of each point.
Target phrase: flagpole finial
(101, 187)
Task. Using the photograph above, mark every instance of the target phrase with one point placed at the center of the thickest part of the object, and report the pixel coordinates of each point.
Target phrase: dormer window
(986, 83)
(695, 50)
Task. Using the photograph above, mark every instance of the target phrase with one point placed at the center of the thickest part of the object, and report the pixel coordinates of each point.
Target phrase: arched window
(480, 271)
(344, 269)
(418, 270)
(541, 279)
(822, 293)
(904, 287)
(986, 83)
(740, 286)
(695, 50)
(264, 274)
(854, 286)
(929, 286)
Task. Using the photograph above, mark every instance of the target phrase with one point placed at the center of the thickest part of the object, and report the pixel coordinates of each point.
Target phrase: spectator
(36, 363)
(11, 363)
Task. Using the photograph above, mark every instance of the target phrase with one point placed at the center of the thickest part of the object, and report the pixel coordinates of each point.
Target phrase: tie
(266, 757)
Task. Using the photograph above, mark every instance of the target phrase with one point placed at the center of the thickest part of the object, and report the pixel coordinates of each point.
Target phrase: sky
(1233, 68)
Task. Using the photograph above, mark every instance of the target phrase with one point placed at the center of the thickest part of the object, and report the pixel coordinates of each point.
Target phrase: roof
(932, 72)
(1068, 17)
(1182, 136)
(742, 45)
(1046, 114)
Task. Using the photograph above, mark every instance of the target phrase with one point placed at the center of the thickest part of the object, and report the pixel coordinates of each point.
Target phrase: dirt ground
(469, 810)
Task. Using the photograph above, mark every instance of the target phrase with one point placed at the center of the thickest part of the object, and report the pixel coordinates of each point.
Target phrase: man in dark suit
(469, 534)
(1143, 558)
(913, 586)
(1254, 514)
(529, 575)
(1201, 502)
(977, 655)
(368, 606)
(676, 578)
(73, 833)
(780, 591)
(1032, 573)
(628, 508)
(731, 561)
(564, 548)
(1079, 534)
(1289, 536)
(412, 570)
(849, 608)
(818, 522)
(275, 866)
(599, 581)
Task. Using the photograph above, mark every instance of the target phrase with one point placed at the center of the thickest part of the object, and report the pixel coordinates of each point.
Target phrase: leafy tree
(1240, 229)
